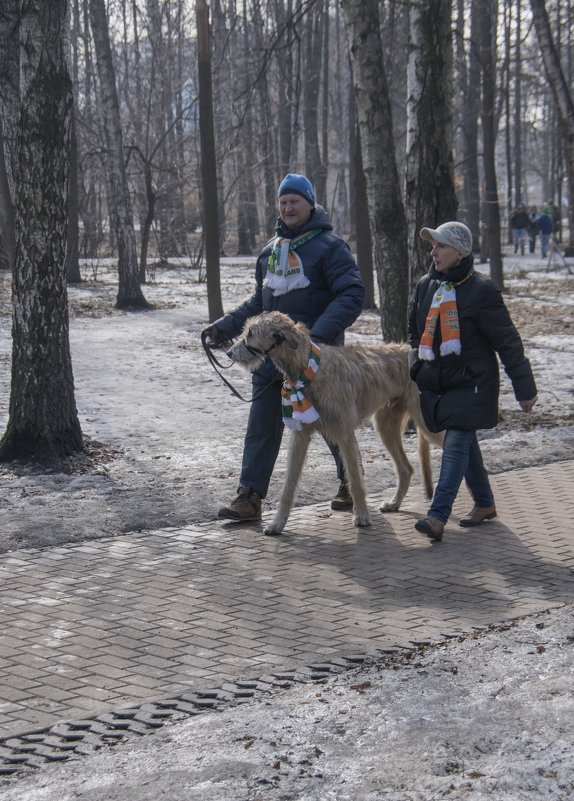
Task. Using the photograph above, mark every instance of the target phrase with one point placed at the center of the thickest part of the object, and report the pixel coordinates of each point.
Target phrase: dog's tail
(425, 463)
(425, 439)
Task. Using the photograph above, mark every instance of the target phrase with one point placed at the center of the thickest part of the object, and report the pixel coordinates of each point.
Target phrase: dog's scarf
(443, 308)
(284, 267)
(296, 408)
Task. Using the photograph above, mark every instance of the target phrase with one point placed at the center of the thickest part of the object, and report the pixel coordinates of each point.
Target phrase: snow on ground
(485, 718)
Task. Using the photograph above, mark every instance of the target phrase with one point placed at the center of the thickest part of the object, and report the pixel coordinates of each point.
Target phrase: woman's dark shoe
(431, 526)
(477, 516)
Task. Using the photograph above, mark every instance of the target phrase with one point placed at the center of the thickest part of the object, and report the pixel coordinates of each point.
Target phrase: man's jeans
(263, 438)
(519, 239)
(461, 458)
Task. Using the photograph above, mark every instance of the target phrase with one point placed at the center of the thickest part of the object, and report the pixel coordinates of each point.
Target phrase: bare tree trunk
(488, 51)
(387, 214)
(72, 246)
(518, 178)
(9, 95)
(208, 163)
(43, 423)
(469, 79)
(362, 226)
(7, 232)
(430, 192)
(129, 291)
(315, 169)
(562, 96)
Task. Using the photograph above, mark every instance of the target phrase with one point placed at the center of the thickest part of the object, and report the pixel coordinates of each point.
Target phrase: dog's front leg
(351, 455)
(295, 460)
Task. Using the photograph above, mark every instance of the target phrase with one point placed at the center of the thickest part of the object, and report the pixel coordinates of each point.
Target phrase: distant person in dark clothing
(520, 222)
(544, 225)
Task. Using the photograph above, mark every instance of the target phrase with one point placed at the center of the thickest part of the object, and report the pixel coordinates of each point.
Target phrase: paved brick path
(85, 629)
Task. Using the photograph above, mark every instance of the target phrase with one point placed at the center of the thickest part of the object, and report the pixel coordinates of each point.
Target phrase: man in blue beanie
(307, 272)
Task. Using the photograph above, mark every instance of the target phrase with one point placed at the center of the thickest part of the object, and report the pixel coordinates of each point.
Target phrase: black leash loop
(217, 364)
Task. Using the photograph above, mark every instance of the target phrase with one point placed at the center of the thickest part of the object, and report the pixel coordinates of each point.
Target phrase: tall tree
(208, 162)
(518, 177)
(488, 53)
(430, 192)
(315, 169)
(7, 234)
(9, 96)
(468, 75)
(43, 422)
(387, 213)
(130, 294)
(562, 97)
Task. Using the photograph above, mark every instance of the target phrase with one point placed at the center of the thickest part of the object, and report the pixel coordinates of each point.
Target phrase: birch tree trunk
(7, 234)
(9, 90)
(130, 294)
(72, 248)
(43, 423)
(562, 96)
(430, 192)
(386, 210)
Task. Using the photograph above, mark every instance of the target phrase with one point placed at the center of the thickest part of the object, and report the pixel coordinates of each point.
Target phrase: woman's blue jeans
(461, 458)
(263, 438)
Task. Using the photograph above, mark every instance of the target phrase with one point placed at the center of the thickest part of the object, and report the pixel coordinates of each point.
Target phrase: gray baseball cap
(455, 234)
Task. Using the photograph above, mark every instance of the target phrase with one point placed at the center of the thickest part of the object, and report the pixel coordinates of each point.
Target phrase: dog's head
(262, 336)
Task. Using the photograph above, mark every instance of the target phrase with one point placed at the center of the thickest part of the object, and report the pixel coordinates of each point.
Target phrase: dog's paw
(361, 520)
(390, 506)
(272, 531)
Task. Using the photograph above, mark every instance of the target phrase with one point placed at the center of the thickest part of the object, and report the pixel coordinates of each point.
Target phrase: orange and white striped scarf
(296, 408)
(443, 308)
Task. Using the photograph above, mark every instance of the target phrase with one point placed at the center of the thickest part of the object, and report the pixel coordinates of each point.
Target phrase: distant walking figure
(520, 222)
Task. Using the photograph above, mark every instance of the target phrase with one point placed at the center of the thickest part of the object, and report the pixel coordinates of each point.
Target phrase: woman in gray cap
(458, 322)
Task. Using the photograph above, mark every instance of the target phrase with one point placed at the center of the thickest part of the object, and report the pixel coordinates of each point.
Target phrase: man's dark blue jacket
(330, 304)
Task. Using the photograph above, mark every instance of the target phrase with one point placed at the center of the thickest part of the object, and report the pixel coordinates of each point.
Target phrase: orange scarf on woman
(443, 308)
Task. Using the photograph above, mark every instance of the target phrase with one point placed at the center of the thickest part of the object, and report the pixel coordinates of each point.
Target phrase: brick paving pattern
(87, 629)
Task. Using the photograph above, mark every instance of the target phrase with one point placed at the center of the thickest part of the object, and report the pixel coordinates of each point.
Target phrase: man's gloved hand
(213, 336)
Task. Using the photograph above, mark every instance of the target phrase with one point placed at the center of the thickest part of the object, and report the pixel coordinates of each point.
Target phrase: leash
(217, 366)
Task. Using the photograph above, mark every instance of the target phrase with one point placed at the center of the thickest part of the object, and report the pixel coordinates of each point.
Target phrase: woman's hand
(527, 405)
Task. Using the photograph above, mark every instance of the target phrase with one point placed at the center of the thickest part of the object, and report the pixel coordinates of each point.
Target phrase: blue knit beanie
(294, 184)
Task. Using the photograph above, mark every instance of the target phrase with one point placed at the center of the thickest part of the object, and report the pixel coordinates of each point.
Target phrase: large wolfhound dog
(352, 383)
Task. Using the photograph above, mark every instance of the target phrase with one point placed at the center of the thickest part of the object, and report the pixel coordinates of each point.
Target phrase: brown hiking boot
(247, 506)
(477, 516)
(431, 526)
(342, 500)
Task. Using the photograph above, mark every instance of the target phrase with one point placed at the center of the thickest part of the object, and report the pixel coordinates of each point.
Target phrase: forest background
(151, 131)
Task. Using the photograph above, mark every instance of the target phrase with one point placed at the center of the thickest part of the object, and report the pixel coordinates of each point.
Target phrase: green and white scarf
(284, 268)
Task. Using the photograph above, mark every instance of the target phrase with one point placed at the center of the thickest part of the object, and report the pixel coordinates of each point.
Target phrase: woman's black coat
(461, 392)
